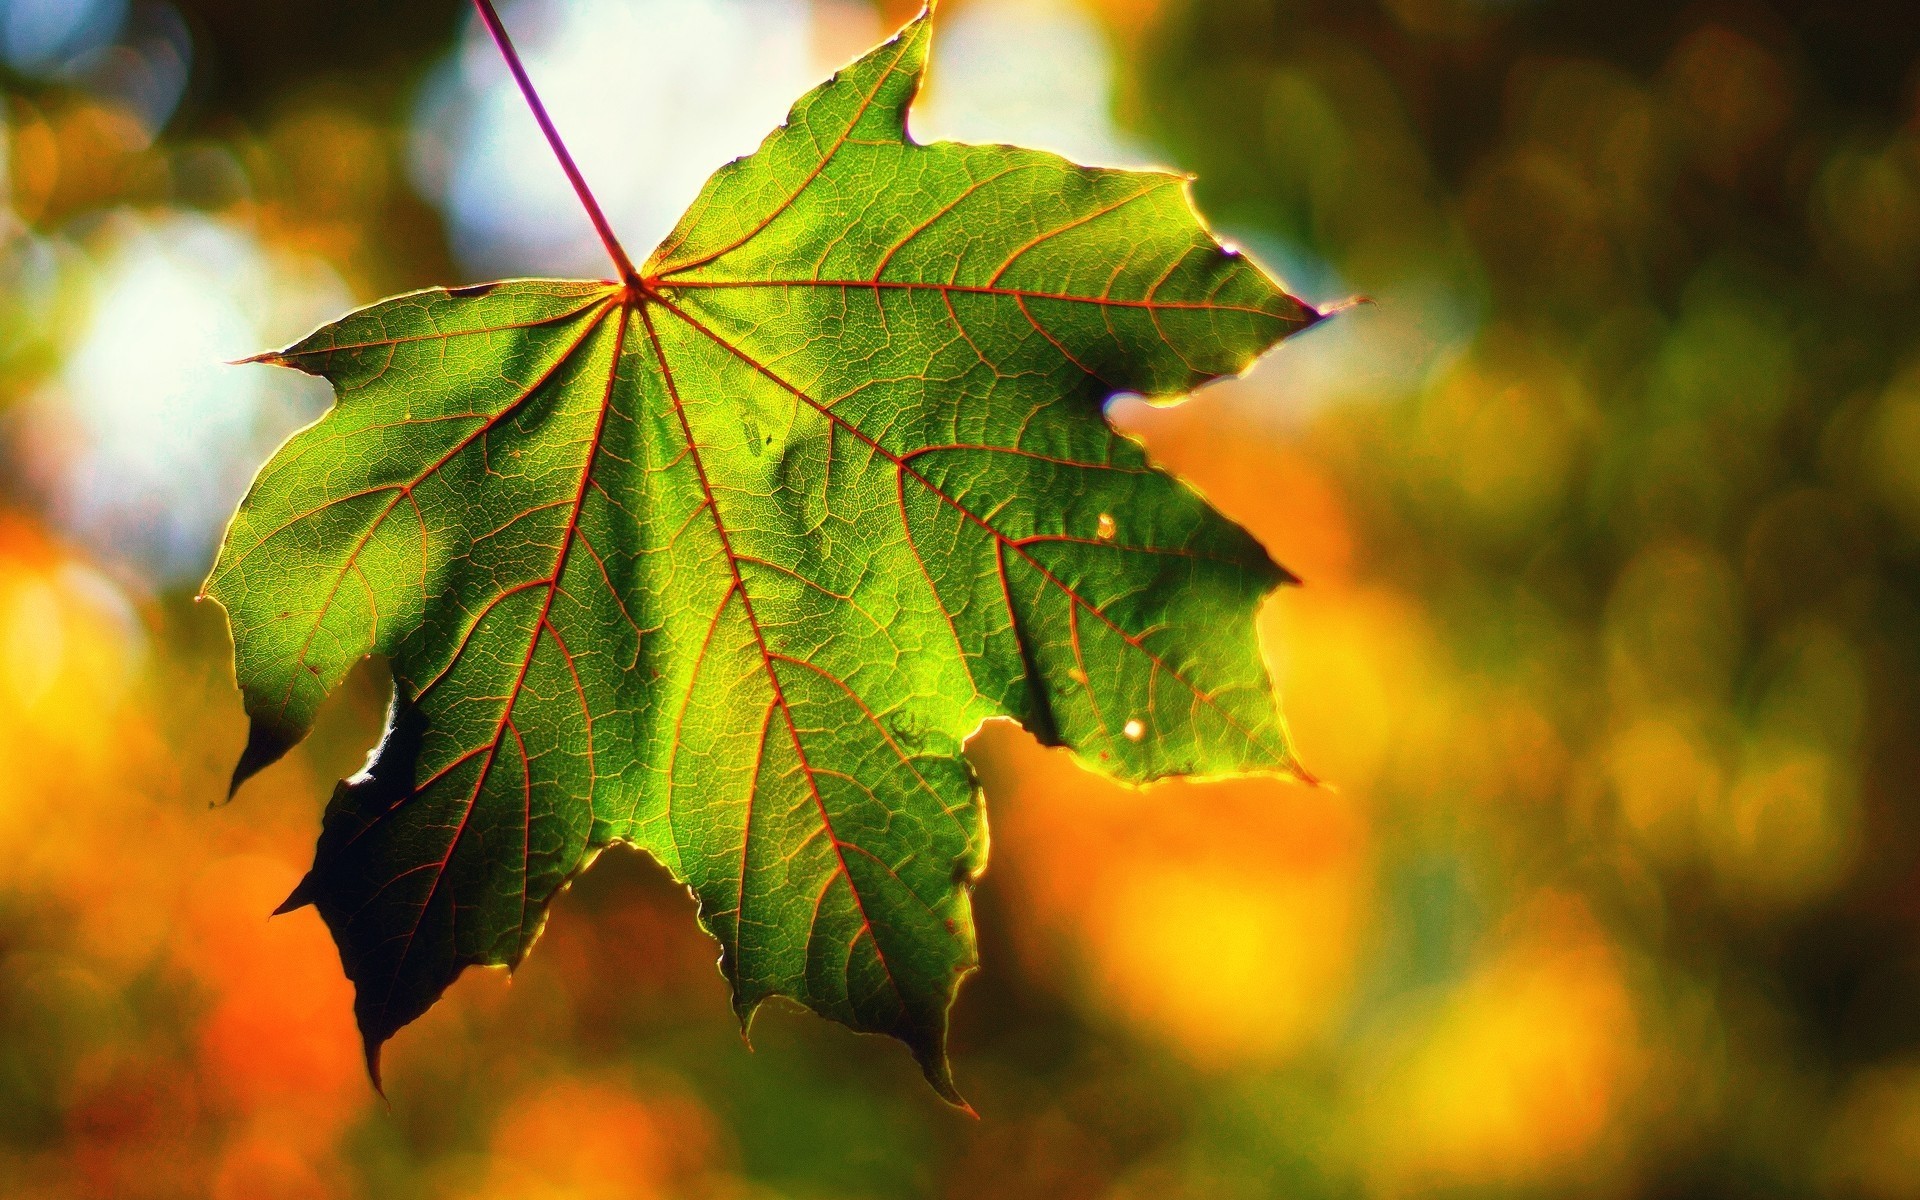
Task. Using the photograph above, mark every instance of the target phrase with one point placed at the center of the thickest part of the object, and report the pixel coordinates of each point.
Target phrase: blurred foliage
(1609, 512)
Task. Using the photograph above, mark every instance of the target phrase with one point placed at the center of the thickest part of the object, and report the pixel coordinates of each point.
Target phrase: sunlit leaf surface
(728, 561)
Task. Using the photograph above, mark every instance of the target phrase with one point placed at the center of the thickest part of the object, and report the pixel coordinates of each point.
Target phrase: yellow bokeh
(1233, 949)
(1606, 511)
(1517, 1074)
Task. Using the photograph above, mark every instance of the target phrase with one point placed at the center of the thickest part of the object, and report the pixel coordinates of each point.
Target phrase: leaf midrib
(1016, 545)
(767, 660)
(966, 289)
(540, 625)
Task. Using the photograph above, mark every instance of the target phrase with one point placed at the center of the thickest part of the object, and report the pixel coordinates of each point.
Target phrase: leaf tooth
(267, 743)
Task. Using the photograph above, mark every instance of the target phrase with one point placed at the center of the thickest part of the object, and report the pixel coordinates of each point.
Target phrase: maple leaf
(728, 557)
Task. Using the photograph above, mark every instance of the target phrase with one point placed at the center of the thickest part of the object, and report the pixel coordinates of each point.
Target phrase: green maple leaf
(726, 559)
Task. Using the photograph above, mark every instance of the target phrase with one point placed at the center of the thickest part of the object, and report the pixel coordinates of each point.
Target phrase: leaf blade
(730, 563)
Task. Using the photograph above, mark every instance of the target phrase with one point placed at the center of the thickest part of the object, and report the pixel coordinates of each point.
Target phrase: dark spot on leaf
(909, 730)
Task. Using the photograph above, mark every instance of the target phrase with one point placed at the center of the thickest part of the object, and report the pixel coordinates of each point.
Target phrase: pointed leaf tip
(372, 1048)
(938, 1070)
(298, 898)
(267, 743)
(1340, 306)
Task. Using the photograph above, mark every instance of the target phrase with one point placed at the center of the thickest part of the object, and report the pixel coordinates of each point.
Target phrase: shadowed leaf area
(728, 562)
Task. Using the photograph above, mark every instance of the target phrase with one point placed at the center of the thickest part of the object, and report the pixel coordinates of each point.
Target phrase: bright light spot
(1519, 1073)
(33, 643)
(148, 435)
(40, 35)
(145, 71)
(136, 59)
(648, 127)
(1030, 72)
(71, 648)
(650, 95)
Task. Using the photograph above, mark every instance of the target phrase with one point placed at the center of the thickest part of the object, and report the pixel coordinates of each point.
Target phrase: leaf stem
(491, 20)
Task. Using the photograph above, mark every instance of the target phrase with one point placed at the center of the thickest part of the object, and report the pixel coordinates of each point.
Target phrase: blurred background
(1608, 510)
